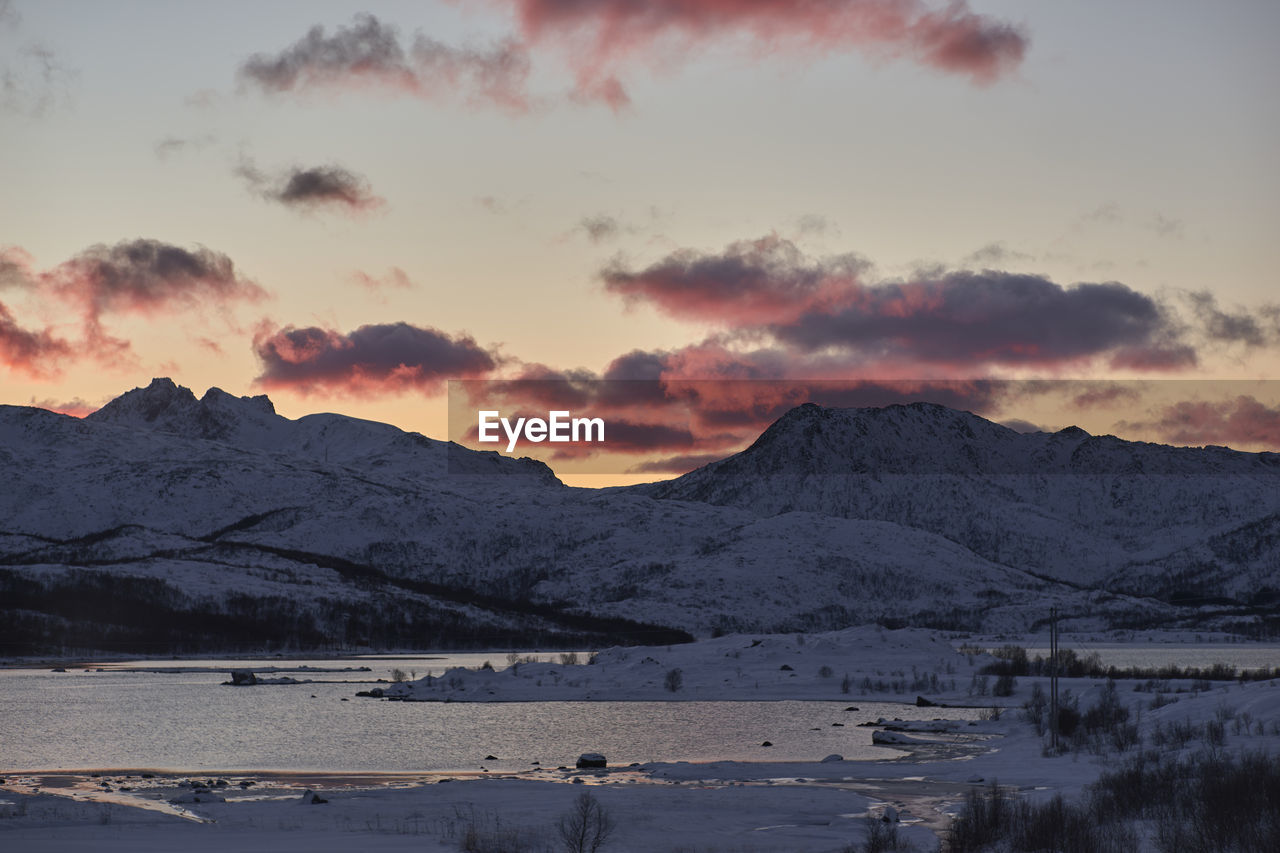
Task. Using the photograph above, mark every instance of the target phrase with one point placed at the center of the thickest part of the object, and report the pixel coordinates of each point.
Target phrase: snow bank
(867, 661)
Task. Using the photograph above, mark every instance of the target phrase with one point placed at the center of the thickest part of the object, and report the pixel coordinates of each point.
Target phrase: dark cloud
(1158, 357)
(315, 188)
(1090, 394)
(750, 283)
(824, 309)
(603, 36)
(148, 276)
(1240, 422)
(1232, 327)
(37, 354)
(368, 54)
(987, 318)
(140, 277)
(374, 359)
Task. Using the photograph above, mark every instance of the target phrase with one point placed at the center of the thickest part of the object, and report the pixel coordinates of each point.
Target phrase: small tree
(1005, 685)
(586, 827)
(674, 680)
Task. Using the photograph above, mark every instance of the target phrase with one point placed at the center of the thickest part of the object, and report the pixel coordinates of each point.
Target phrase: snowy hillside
(1096, 510)
(166, 518)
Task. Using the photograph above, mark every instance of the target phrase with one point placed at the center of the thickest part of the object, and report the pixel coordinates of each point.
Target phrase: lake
(177, 715)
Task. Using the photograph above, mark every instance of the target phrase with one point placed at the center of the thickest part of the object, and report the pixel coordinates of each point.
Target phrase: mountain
(1088, 510)
(167, 521)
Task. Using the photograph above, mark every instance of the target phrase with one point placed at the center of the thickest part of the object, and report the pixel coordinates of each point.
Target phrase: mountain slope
(218, 514)
(1068, 505)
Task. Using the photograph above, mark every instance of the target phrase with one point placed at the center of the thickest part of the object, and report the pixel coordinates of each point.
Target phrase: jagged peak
(163, 396)
(217, 397)
(166, 406)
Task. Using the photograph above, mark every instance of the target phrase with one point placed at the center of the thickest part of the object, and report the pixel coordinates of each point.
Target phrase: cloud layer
(369, 54)
(384, 358)
(1241, 422)
(138, 277)
(148, 276)
(34, 353)
(825, 314)
(601, 37)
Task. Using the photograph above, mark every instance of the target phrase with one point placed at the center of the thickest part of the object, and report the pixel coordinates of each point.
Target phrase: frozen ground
(868, 661)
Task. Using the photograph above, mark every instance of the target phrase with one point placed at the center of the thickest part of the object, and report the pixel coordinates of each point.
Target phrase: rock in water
(591, 759)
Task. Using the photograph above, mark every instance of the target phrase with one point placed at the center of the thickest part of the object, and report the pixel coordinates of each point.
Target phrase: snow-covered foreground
(428, 817)
(719, 807)
(818, 805)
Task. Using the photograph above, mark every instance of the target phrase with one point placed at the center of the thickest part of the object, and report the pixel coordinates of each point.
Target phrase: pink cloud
(602, 36)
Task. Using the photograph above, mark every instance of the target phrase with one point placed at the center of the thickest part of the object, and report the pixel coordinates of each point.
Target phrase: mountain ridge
(346, 526)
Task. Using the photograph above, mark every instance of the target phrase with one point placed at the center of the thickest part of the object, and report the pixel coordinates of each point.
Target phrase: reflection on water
(186, 720)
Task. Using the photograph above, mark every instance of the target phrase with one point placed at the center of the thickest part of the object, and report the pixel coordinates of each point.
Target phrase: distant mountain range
(164, 521)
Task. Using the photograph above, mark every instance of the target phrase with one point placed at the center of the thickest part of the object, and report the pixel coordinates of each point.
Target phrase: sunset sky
(344, 205)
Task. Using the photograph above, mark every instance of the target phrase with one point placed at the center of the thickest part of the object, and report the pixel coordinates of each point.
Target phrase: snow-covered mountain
(1091, 510)
(164, 518)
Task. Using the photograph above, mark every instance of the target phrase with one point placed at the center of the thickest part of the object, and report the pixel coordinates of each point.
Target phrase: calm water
(176, 715)
(186, 720)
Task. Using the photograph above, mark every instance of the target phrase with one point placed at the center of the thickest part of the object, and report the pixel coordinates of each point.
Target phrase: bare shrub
(673, 680)
(586, 827)
(882, 837)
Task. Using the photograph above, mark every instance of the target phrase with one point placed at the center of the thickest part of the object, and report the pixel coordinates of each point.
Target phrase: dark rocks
(767, 743)
(243, 678)
(591, 759)
(922, 702)
(832, 758)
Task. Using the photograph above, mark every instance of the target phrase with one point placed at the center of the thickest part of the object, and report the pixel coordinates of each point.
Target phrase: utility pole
(1053, 679)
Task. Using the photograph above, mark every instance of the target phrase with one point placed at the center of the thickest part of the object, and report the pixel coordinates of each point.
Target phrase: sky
(1046, 213)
